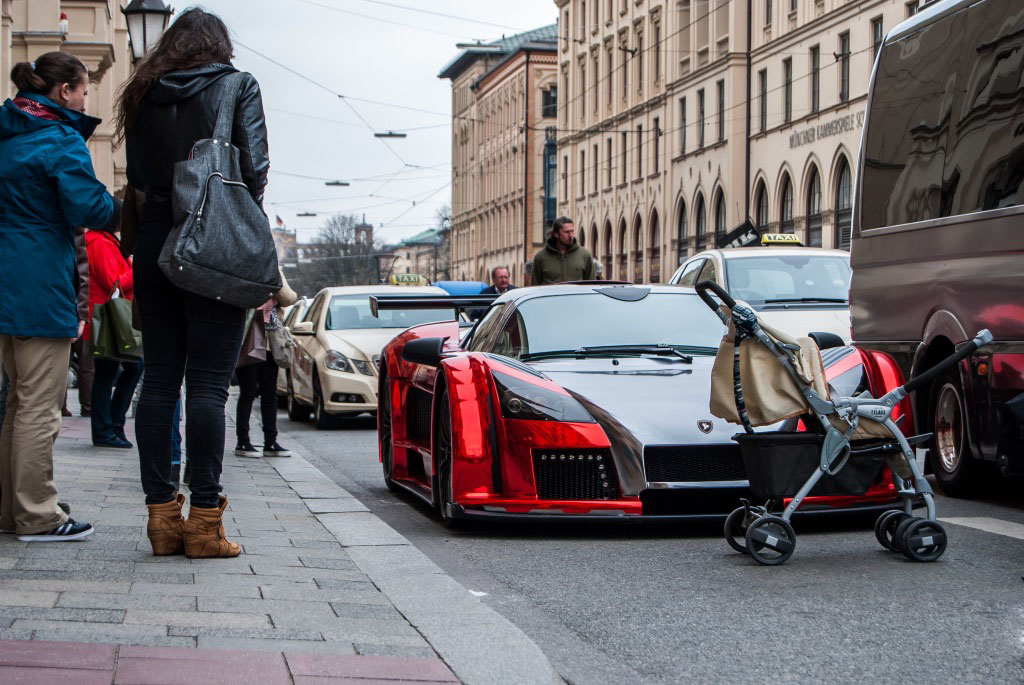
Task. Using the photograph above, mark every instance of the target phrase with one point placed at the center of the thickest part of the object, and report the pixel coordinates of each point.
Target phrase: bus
(938, 228)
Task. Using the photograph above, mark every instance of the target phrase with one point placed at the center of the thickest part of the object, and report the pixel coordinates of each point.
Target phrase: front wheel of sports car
(444, 462)
(387, 448)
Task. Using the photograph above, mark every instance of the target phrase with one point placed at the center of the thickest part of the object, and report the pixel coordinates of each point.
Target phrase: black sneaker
(275, 450)
(245, 449)
(64, 506)
(69, 530)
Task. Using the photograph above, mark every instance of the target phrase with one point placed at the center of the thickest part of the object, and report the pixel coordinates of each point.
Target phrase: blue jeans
(112, 388)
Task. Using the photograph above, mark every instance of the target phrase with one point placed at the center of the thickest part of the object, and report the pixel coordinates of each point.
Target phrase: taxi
(796, 289)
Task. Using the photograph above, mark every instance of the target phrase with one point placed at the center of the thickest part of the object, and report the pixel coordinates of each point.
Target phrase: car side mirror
(302, 328)
(426, 351)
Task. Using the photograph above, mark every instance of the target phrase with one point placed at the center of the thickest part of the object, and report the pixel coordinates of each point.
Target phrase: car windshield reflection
(347, 312)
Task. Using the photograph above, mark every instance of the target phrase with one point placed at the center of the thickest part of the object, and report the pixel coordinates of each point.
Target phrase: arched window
(623, 267)
(761, 206)
(814, 209)
(593, 240)
(701, 223)
(608, 251)
(720, 214)
(844, 202)
(786, 206)
(681, 231)
(654, 251)
(638, 251)
(583, 237)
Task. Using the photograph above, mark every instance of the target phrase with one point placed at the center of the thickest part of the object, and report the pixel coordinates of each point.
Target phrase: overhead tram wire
(349, 123)
(442, 14)
(388, 223)
(382, 20)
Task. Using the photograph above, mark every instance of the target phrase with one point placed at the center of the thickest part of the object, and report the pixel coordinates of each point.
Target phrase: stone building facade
(503, 98)
(687, 117)
(98, 35)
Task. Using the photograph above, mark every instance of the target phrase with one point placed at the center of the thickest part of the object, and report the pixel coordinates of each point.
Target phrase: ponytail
(49, 71)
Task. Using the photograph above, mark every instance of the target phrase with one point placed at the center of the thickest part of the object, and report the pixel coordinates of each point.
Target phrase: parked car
(798, 290)
(334, 371)
(579, 401)
(291, 314)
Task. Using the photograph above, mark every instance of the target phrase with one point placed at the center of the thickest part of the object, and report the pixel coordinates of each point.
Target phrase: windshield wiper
(782, 300)
(606, 350)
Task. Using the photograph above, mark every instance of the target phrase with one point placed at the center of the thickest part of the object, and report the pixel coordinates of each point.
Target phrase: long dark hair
(49, 71)
(196, 38)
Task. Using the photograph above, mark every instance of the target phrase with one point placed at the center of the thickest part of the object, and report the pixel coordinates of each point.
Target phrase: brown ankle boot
(204, 533)
(164, 527)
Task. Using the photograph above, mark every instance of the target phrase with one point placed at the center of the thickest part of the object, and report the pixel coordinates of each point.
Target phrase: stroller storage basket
(779, 463)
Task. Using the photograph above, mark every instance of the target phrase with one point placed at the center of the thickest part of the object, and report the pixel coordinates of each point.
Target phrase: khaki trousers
(38, 371)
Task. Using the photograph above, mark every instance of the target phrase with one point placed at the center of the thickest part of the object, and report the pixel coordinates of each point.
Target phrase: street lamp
(335, 183)
(389, 134)
(306, 214)
(147, 20)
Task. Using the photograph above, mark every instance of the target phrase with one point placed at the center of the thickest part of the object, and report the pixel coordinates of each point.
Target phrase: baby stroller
(785, 379)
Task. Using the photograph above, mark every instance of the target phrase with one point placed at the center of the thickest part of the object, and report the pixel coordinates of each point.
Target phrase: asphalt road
(674, 603)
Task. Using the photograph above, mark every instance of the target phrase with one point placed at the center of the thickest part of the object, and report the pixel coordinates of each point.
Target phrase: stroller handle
(704, 286)
(983, 338)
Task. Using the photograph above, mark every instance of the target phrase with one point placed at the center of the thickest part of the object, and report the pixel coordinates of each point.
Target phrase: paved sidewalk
(319, 576)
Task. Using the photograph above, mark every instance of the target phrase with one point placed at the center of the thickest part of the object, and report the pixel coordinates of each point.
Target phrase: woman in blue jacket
(47, 189)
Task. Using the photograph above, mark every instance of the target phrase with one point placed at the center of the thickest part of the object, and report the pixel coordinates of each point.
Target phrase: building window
(792, 5)
(762, 88)
(625, 69)
(622, 153)
(565, 31)
(594, 76)
(700, 118)
(657, 145)
(657, 52)
(721, 111)
(786, 206)
(720, 214)
(761, 206)
(549, 106)
(639, 151)
(565, 93)
(877, 34)
(565, 176)
(681, 227)
(700, 221)
(583, 173)
(815, 78)
(844, 204)
(597, 157)
(913, 7)
(639, 62)
(682, 126)
(814, 209)
(844, 66)
(583, 86)
(787, 91)
(610, 87)
(608, 156)
(767, 12)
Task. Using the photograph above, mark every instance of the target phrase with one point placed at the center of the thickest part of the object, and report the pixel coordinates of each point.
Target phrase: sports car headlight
(362, 367)
(523, 400)
(336, 360)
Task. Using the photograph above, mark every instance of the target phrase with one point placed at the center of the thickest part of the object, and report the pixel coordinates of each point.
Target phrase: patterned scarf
(36, 109)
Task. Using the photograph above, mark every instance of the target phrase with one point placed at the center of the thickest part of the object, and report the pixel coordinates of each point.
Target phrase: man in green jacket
(562, 259)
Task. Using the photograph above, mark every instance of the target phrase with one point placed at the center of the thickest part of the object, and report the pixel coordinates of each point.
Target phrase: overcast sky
(383, 50)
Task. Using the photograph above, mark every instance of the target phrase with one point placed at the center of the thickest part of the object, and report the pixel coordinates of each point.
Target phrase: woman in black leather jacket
(169, 103)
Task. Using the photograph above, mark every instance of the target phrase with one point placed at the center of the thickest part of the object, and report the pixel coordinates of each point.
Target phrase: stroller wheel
(885, 529)
(771, 540)
(923, 540)
(736, 525)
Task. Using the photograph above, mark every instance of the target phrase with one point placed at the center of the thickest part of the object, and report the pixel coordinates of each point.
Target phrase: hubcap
(947, 427)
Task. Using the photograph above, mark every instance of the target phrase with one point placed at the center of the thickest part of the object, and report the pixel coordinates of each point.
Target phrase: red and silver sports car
(577, 400)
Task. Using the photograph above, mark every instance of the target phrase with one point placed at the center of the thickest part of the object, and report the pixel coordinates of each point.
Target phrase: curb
(476, 642)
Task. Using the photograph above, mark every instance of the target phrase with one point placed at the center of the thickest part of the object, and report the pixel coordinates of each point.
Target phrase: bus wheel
(950, 454)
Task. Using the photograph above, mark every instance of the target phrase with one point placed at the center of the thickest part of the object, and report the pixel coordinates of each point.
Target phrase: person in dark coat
(49, 189)
(170, 102)
(501, 280)
(562, 258)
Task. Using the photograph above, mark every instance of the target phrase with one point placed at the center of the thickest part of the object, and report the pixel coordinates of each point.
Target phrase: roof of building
(427, 237)
(545, 37)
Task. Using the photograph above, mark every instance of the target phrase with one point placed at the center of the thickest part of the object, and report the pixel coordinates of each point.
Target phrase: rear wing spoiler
(456, 302)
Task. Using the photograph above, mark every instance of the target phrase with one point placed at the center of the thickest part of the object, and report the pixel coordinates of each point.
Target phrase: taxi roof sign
(408, 279)
(781, 239)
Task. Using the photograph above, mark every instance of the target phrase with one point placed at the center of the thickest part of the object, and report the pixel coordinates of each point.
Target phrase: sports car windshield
(565, 323)
(780, 279)
(353, 311)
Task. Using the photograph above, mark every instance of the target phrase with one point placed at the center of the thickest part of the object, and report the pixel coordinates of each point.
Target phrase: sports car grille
(575, 474)
(693, 463)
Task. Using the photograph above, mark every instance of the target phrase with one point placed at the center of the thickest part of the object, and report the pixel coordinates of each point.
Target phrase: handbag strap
(226, 112)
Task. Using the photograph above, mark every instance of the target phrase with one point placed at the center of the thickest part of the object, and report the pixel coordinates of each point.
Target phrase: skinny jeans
(186, 336)
(257, 380)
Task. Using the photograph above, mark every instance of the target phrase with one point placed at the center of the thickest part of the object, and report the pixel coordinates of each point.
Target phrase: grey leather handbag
(220, 246)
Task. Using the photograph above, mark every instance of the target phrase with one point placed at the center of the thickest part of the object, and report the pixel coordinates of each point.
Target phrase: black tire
(885, 528)
(950, 454)
(771, 540)
(387, 450)
(296, 411)
(321, 419)
(443, 448)
(901, 530)
(923, 540)
(736, 525)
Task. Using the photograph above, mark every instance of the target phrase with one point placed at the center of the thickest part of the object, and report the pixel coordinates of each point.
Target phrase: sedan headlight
(523, 400)
(336, 360)
(362, 367)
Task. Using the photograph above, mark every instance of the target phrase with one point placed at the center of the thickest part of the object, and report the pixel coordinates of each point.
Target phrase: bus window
(909, 124)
